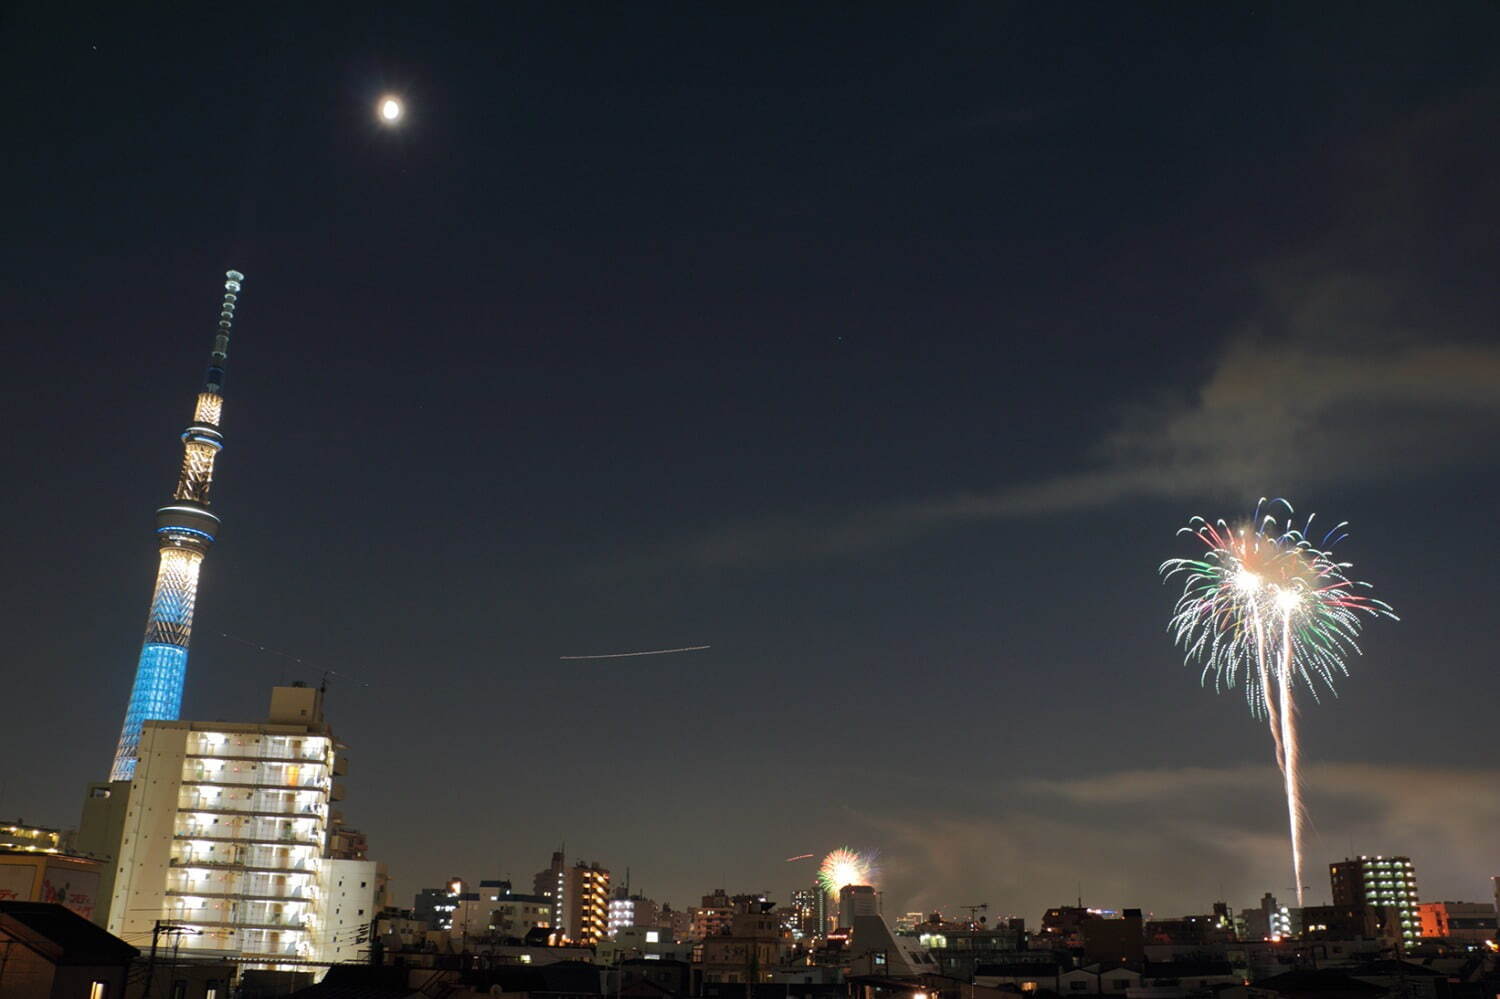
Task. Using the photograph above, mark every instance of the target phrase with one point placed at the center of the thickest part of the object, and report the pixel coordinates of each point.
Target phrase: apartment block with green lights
(1388, 883)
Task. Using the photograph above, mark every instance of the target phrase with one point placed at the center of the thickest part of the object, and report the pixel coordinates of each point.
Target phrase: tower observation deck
(185, 530)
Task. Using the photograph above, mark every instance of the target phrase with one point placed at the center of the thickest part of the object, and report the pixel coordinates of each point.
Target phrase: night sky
(883, 350)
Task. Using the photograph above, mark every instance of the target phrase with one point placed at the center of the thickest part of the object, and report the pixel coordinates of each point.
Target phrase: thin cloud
(1351, 370)
(1174, 840)
(1290, 411)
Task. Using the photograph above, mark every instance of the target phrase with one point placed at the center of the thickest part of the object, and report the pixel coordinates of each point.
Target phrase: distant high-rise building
(712, 917)
(226, 834)
(805, 904)
(586, 903)
(675, 924)
(1269, 921)
(551, 882)
(1384, 883)
(435, 907)
(857, 900)
(1063, 924)
(185, 530)
(511, 915)
(821, 910)
(626, 910)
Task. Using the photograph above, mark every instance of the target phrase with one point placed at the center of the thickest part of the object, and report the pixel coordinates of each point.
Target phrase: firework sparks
(1265, 609)
(846, 866)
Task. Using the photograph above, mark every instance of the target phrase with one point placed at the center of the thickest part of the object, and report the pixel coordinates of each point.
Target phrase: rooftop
(62, 935)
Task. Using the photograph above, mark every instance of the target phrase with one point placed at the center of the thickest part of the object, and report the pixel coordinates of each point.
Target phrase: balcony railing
(311, 760)
(245, 864)
(261, 832)
(186, 919)
(296, 896)
(241, 780)
(264, 809)
(278, 840)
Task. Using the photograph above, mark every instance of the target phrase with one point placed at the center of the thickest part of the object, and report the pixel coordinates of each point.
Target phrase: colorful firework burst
(846, 866)
(1265, 607)
(1255, 574)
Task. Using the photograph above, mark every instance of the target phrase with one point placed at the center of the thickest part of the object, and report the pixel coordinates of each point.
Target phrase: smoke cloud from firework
(1265, 609)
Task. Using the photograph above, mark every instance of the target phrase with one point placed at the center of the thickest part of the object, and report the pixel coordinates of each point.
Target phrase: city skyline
(846, 345)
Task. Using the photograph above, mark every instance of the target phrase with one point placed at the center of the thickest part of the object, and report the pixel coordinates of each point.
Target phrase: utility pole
(156, 931)
(172, 975)
(151, 961)
(377, 957)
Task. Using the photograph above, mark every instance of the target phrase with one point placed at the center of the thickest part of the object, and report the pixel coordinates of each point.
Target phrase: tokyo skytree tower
(185, 530)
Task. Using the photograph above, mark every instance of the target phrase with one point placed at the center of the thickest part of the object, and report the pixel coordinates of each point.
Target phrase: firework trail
(1264, 608)
(648, 652)
(846, 866)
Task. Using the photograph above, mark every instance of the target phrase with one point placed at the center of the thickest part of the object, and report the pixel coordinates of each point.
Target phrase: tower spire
(185, 530)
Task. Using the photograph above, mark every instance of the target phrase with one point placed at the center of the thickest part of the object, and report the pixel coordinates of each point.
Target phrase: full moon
(390, 110)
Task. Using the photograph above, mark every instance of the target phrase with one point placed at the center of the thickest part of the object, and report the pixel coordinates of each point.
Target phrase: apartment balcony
(291, 955)
(287, 927)
(253, 829)
(241, 781)
(239, 865)
(245, 813)
(264, 746)
(287, 898)
(249, 840)
(300, 761)
(265, 799)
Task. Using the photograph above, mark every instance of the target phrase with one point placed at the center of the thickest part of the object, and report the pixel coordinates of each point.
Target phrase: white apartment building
(225, 836)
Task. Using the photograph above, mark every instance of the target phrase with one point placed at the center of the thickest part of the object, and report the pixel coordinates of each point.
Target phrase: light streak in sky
(801, 856)
(846, 866)
(650, 652)
(1264, 608)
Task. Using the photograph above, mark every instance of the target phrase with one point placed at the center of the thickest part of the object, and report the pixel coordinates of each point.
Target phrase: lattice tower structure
(185, 530)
